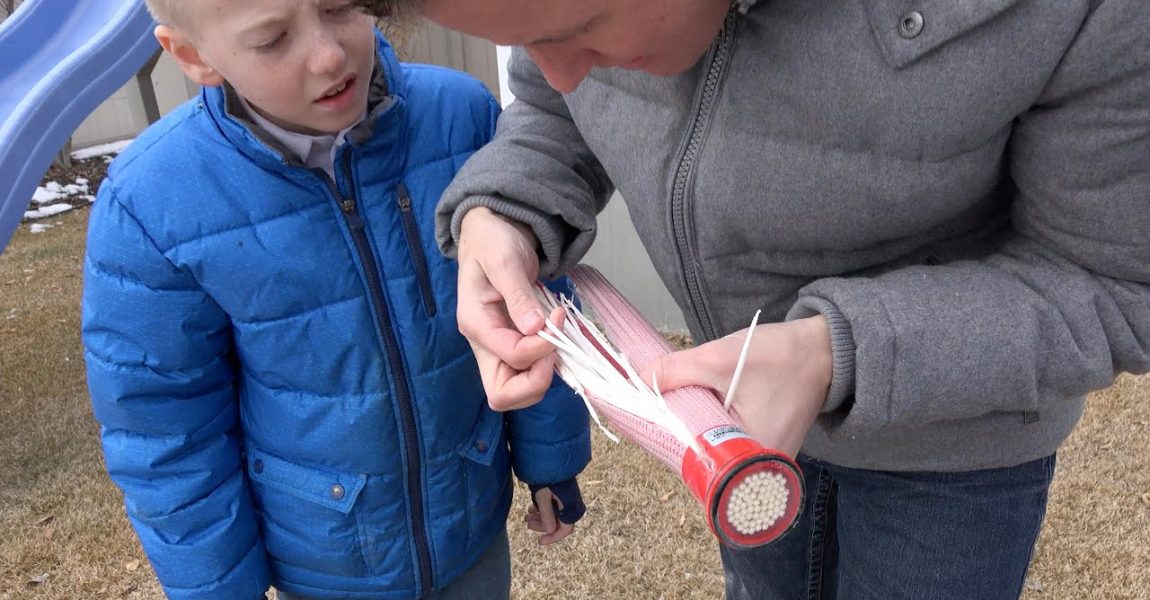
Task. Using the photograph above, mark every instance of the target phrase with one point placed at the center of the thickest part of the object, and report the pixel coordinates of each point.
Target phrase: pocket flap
(936, 23)
(485, 438)
(334, 490)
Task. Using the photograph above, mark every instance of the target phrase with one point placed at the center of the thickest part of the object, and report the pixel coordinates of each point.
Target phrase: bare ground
(63, 534)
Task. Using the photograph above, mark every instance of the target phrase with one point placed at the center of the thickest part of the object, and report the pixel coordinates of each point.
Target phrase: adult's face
(567, 38)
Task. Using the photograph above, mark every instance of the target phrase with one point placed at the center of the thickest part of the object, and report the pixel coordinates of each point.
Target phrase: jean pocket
(487, 467)
(306, 514)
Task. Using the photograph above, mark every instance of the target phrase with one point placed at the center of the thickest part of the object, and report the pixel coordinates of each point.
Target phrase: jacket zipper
(415, 247)
(350, 209)
(679, 221)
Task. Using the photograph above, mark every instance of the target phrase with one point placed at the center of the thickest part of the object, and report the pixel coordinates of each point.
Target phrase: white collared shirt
(313, 150)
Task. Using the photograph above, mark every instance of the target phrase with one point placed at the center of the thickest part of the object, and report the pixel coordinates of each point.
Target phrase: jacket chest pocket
(415, 249)
(907, 30)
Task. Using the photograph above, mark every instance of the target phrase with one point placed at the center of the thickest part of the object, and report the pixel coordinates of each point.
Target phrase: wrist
(841, 344)
(819, 352)
(570, 507)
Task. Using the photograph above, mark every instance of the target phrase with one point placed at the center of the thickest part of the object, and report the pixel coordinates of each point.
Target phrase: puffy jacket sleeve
(163, 385)
(1064, 304)
(551, 440)
(539, 156)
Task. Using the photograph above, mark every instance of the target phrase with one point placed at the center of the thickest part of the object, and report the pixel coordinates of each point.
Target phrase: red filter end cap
(757, 501)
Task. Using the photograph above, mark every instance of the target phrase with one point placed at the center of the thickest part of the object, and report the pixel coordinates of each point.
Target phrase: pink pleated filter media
(751, 495)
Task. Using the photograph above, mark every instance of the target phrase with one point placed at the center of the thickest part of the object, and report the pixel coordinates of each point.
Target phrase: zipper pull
(353, 218)
(402, 197)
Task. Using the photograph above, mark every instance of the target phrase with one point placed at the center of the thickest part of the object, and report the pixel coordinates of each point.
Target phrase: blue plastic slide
(61, 59)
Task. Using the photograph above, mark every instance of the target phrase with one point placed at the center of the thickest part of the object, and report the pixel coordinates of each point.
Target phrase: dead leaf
(40, 579)
(1146, 499)
(593, 482)
(132, 565)
(682, 519)
(45, 520)
(667, 496)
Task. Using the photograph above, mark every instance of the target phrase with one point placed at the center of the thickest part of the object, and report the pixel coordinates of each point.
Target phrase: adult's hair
(389, 9)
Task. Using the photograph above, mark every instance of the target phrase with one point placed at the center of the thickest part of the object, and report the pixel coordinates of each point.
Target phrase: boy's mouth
(338, 92)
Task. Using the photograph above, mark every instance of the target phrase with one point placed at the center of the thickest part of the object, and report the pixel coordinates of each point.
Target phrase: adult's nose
(564, 69)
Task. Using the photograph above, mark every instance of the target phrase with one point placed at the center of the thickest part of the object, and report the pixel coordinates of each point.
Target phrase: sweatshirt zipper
(415, 247)
(679, 222)
(355, 222)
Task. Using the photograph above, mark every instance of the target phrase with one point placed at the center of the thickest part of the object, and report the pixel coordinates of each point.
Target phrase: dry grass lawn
(63, 534)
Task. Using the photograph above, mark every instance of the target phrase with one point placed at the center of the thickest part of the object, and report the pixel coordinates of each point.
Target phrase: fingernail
(530, 322)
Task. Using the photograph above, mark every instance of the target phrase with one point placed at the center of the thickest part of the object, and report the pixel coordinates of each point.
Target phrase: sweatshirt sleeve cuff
(842, 347)
(548, 229)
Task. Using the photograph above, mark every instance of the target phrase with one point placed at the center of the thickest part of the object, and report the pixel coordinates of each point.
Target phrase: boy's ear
(187, 56)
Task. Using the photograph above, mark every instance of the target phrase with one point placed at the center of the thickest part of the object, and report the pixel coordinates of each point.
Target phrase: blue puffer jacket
(274, 360)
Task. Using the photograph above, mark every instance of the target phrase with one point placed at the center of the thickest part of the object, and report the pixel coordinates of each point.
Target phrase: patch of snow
(52, 191)
(44, 195)
(101, 150)
(39, 227)
(47, 211)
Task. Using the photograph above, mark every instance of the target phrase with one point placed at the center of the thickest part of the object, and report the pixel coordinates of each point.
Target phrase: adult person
(941, 207)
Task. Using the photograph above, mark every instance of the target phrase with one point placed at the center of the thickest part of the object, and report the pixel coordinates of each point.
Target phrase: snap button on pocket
(258, 466)
(480, 446)
(910, 25)
(337, 491)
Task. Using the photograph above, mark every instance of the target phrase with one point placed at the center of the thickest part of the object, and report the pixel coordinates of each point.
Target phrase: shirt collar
(312, 150)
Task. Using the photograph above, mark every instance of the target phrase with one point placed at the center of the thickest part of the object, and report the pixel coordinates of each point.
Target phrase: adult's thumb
(675, 370)
(520, 297)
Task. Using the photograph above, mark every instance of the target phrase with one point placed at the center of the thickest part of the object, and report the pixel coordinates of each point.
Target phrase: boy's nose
(563, 69)
(327, 55)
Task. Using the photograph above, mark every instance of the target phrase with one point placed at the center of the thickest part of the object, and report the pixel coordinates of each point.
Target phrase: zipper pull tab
(402, 197)
(353, 218)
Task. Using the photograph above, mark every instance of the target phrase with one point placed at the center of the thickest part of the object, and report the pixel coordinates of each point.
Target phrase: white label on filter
(724, 433)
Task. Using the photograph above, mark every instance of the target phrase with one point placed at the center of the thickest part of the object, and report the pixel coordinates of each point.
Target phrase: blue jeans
(488, 579)
(888, 536)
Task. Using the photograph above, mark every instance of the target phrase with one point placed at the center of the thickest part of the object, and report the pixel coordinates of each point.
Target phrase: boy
(270, 336)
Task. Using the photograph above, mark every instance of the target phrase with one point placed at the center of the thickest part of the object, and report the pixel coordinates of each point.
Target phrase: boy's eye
(343, 8)
(272, 44)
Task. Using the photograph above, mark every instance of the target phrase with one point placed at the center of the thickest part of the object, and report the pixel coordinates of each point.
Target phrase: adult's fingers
(508, 388)
(706, 366)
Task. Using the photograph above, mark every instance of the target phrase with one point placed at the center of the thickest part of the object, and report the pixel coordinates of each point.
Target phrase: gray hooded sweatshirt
(962, 188)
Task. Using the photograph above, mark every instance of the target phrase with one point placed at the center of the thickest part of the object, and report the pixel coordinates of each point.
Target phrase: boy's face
(567, 38)
(305, 65)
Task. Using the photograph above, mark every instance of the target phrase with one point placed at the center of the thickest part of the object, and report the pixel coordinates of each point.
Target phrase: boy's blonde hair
(172, 13)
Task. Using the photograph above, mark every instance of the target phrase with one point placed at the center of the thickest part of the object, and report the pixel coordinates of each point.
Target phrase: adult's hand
(498, 312)
(784, 382)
